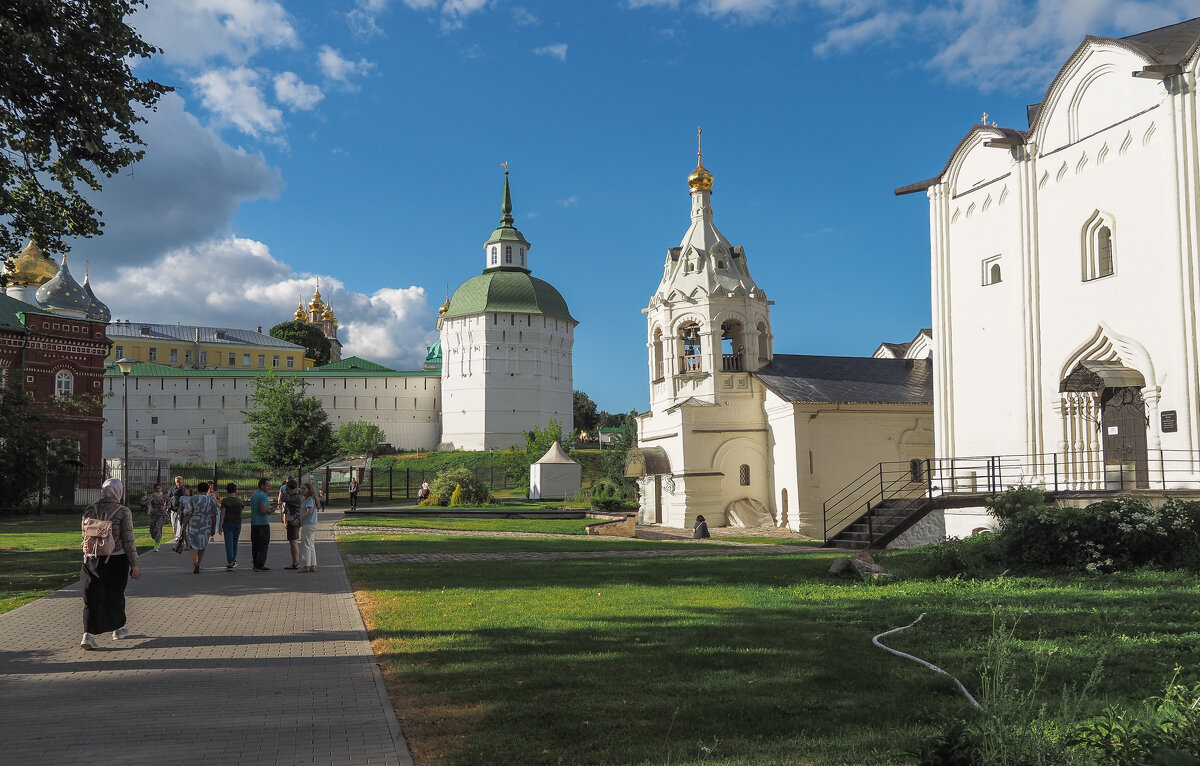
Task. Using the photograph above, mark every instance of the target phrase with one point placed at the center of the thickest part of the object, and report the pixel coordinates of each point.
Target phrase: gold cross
(699, 149)
(505, 166)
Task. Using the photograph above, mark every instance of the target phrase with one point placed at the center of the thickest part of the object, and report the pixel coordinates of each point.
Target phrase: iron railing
(1081, 471)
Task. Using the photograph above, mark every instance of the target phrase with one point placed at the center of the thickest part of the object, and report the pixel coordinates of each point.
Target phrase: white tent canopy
(555, 476)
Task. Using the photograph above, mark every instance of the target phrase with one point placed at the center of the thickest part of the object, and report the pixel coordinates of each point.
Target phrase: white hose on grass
(922, 662)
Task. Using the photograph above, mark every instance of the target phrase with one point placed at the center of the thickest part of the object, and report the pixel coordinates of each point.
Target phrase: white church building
(1066, 280)
(739, 433)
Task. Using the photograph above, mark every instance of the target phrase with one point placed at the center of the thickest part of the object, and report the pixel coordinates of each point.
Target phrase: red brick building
(53, 347)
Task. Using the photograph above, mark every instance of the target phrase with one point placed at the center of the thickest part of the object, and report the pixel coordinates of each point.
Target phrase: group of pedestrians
(196, 515)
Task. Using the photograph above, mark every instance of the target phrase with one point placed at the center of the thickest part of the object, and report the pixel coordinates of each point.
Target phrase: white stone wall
(197, 418)
(504, 374)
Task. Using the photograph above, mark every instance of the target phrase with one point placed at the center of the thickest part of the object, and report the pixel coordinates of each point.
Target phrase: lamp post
(126, 366)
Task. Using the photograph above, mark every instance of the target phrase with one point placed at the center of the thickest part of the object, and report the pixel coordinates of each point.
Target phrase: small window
(291, 362)
(174, 355)
(187, 357)
(992, 273)
(275, 361)
(245, 360)
(64, 385)
(1099, 256)
(153, 420)
(119, 352)
(233, 360)
(262, 360)
(744, 475)
(153, 354)
(203, 358)
(508, 253)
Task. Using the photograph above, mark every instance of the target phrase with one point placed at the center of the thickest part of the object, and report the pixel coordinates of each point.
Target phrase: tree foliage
(288, 428)
(359, 438)
(28, 452)
(457, 482)
(584, 412)
(69, 102)
(613, 462)
(310, 336)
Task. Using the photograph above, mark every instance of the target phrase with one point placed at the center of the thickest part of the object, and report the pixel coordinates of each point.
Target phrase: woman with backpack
(109, 560)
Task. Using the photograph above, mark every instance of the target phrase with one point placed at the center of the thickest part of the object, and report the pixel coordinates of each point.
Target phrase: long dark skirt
(104, 593)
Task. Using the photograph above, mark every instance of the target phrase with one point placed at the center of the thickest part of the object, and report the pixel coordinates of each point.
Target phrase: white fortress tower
(506, 349)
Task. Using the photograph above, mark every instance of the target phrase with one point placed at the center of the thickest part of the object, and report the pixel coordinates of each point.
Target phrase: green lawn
(40, 554)
(419, 543)
(543, 526)
(733, 659)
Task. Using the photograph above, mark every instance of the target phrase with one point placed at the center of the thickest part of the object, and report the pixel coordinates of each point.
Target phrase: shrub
(470, 490)
(1163, 730)
(608, 496)
(976, 556)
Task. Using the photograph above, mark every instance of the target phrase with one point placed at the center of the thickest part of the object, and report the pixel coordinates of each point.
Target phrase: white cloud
(523, 17)
(364, 17)
(571, 201)
(233, 96)
(337, 67)
(292, 92)
(236, 282)
(194, 32)
(557, 50)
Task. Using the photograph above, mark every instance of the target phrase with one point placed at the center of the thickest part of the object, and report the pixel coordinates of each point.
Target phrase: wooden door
(1124, 424)
(657, 499)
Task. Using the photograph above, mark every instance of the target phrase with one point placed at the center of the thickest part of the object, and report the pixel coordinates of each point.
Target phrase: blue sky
(360, 142)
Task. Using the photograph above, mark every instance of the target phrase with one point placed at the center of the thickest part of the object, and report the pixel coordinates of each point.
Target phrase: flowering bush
(1104, 536)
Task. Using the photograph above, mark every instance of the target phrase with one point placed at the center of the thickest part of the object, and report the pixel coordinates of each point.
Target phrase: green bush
(1164, 730)
(977, 556)
(1106, 536)
(471, 491)
(456, 497)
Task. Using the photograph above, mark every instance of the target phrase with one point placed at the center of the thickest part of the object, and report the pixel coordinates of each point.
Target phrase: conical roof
(555, 455)
(98, 311)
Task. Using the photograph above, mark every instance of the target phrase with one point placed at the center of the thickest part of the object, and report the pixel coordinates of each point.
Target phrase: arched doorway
(1104, 399)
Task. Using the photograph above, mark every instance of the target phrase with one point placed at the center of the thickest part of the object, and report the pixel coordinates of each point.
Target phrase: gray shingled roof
(849, 379)
(185, 333)
(1168, 45)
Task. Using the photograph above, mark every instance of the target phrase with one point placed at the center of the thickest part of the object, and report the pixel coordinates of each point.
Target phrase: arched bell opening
(733, 346)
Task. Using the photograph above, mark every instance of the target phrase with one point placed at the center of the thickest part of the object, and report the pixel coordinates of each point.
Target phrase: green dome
(433, 360)
(511, 290)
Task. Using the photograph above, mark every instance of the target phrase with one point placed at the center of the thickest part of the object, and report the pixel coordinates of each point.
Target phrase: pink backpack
(98, 537)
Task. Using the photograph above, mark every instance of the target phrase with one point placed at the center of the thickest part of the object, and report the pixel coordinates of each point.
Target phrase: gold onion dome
(700, 178)
(317, 304)
(444, 307)
(327, 314)
(300, 315)
(31, 267)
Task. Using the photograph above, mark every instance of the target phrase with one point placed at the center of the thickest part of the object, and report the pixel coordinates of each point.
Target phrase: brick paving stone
(219, 668)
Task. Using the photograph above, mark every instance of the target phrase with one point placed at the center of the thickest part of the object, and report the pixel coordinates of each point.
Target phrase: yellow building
(207, 348)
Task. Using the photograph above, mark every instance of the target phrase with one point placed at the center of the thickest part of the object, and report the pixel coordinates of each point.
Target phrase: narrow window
(1099, 250)
(245, 360)
(744, 475)
(119, 352)
(187, 357)
(1104, 246)
(174, 355)
(991, 271)
(153, 354)
(203, 358)
(233, 360)
(915, 472)
(508, 253)
(291, 362)
(262, 360)
(275, 361)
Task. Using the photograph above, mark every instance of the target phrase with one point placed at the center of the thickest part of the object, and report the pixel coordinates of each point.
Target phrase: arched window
(689, 341)
(508, 253)
(733, 346)
(658, 355)
(1099, 252)
(495, 256)
(995, 273)
(744, 475)
(522, 257)
(991, 270)
(64, 385)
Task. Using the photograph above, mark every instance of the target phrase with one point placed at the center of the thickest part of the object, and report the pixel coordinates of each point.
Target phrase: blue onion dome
(63, 293)
(97, 311)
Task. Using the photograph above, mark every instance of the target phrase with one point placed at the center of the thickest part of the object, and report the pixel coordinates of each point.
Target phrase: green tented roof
(507, 289)
(506, 233)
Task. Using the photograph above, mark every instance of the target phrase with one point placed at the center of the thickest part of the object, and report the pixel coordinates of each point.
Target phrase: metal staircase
(878, 506)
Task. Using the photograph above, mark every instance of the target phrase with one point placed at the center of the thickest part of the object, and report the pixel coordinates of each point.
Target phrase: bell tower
(708, 323)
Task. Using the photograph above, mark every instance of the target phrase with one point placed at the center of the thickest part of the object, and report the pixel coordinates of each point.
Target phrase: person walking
(103, 578)
(353, 491)
(289, 502)
(157, 508)
(185, 507)
(174, 495)
(260, 526)
(231, 523)
(308, 528)
(200, 523)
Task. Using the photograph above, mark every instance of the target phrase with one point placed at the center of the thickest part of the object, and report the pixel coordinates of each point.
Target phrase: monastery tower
(506, 344)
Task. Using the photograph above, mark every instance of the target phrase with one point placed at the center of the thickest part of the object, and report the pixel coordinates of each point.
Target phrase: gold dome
(327, 314)
(317, 304)
(31, 267)
(444, 308)
(300, 315)
(700, 178)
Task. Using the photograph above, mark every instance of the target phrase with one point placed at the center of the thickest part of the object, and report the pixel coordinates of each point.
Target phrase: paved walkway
(224, 667)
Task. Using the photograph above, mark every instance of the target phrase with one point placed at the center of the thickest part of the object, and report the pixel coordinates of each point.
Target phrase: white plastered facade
(1079, 242)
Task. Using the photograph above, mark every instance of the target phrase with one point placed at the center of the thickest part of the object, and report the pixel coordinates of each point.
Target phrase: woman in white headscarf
(104, 577)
